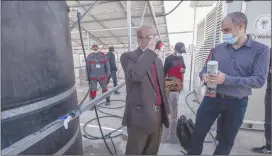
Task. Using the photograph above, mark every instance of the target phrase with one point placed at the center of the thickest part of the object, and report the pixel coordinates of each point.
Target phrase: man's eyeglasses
(150, 36)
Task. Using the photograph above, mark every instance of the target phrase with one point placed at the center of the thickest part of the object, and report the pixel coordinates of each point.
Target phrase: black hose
(78, 108)
(191, 109)
(171, 10)
(107, 115)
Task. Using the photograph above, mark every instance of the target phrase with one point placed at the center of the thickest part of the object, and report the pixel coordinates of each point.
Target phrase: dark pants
(232, 110)
(143, 143)
(219, 124)
(114, 78)
(267, 125)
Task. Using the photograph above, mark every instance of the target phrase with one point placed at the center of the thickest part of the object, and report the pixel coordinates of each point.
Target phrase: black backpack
(185, 129)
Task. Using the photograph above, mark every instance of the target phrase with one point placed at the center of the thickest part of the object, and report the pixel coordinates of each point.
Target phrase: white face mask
(178, 54)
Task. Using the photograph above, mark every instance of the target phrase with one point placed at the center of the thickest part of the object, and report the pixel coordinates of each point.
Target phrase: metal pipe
(103, 26)
(115, 19)
(76, 49)
(154, 17)
(119, 10)
(166, 33)
(90, 34)
(83, 15)
(107, 37)
(89, 43)
(96, 30)
(193, 50)
(142, 20)
(123, 6)
(88, 4)
(110, 43)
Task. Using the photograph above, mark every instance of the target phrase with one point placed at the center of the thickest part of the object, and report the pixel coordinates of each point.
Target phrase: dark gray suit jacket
(141, 93)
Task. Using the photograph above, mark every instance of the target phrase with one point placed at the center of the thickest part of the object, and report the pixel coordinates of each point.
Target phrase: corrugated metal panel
(218, 23)
(199, 47)
(208, 35)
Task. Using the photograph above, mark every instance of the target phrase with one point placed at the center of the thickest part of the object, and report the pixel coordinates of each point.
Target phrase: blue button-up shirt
(245, 68)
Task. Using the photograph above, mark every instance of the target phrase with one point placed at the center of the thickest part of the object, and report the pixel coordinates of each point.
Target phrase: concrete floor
(245, 140)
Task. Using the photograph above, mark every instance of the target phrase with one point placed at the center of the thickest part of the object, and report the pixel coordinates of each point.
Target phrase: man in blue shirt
(243, 65)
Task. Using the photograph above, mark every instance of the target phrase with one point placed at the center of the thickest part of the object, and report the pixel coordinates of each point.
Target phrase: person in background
(113, 68)
(266, 149)
(146, 108)
(243, 65)
(174, 66)
(99, 71)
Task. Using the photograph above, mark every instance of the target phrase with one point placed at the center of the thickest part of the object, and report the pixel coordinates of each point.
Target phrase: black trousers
(267, 124)
(231, 110)
(114, 78)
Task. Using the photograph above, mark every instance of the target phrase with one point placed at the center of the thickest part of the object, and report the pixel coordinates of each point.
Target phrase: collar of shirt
(143, 49)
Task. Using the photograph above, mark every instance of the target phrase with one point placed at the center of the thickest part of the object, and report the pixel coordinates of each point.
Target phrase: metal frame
(129, 24)
(102, 25)
(181, 32)
(126, 12)
(113, 36)
(119, 10)
(109, 29)
(83, 15)
(33, 138)
(143, 15)
(154, 17)
(117, 19)
(193, 51)
(90, 34)
(243, 8)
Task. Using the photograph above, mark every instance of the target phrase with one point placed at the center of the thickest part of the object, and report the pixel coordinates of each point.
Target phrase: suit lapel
(139, 51)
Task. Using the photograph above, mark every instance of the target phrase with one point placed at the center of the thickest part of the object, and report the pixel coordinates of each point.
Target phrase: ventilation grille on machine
(208, 35)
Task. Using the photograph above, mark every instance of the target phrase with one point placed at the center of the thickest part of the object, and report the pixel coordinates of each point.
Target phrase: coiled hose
(191, 109)
(106, 115)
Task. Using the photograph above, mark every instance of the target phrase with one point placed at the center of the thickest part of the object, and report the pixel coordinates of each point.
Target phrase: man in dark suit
(147, 108)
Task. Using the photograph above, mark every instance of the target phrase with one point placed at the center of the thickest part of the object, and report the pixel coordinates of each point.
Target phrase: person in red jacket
(174, 66)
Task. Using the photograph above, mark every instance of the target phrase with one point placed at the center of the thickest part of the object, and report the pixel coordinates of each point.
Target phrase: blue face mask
(229, 38)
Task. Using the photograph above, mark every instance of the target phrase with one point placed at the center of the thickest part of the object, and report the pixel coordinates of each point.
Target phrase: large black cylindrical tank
(37, 76)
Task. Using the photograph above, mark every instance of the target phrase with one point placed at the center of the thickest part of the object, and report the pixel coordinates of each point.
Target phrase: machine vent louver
(208, 35)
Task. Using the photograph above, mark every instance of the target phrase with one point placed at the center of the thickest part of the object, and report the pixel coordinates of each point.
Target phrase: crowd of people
(243, 64)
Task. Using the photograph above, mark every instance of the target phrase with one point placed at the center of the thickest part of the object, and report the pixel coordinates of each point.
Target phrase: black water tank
(37, 76)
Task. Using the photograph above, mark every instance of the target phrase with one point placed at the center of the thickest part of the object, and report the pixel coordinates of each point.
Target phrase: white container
(212, 69)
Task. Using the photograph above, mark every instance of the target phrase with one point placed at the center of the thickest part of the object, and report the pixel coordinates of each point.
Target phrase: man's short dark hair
(237, 18)
(111, 48)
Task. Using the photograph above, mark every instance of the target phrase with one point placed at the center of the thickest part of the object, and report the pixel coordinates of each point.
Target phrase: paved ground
(245, 140)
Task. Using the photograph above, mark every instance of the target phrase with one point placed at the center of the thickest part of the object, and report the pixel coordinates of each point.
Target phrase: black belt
(230, 97)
